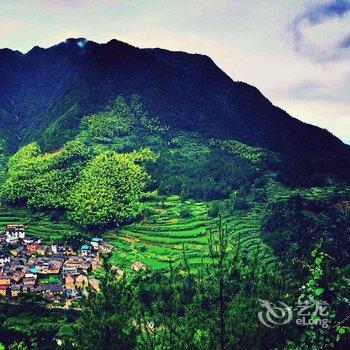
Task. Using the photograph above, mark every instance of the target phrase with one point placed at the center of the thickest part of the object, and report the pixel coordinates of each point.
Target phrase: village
(56, 271)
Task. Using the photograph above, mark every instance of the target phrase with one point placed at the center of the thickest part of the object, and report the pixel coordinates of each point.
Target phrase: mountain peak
(78, 42)
(52, 89)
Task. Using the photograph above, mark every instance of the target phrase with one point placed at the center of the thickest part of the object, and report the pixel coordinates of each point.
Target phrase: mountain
(45, 93)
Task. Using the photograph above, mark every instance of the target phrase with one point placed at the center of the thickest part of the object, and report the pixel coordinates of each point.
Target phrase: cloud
(320, 28)
(308, 90)
(319, 12)
(345, 43)
(317, 90)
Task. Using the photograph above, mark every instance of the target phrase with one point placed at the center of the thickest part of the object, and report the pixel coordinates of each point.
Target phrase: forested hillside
(46, 92)
(223, 202)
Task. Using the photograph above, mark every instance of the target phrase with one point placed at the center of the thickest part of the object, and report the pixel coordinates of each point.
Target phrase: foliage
(98, 192)
(109, 190)
(327, 287)
(199, 172)
(185, 212)
(294, 226)
(116, 120)
(214, 210)
(212, 308)
(107, 321)
(43, 180)
(255, 155)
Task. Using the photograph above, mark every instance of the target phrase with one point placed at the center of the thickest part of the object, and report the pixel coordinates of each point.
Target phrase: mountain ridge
(50, 90)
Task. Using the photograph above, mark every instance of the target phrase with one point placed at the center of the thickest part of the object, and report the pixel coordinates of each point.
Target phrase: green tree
(107, 319)
(109, 190)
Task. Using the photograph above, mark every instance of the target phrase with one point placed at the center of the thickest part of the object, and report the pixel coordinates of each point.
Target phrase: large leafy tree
(44, 180)
(109, 189)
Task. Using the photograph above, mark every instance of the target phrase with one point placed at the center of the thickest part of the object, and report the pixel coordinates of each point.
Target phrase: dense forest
(223, 226)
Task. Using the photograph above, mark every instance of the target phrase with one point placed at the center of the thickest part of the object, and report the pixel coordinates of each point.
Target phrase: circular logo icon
(274, 315)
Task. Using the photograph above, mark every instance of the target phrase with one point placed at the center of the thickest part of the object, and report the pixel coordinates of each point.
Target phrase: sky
(297, 52)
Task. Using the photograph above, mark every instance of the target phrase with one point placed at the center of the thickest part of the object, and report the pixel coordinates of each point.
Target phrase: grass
(50, 279)
(160, 239)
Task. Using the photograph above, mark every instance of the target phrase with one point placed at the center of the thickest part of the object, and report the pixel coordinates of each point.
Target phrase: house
(56, 248)
(68, 250)
(69, 282)
(29, 280)
(95, 242)
(28, 289)
(18, 275)
(96, 263)
(138, 266)
(69, 270)
(53, 289)
(42, 250)
(14, 233)
(33, 270)
(95, 284)
(85, 250)
(71, 293)
(81, 281)
(32, 247)
(117, 270)
(38, 289)
(54, 267)
(76, 263)
(15, 289)
(19, 251)
(5, 280)
(4, 258)
(32, 239)
(3, 290)
(106, 248)
(41, 265)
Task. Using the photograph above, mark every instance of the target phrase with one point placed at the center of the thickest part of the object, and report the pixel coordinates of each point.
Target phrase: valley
(193, 199)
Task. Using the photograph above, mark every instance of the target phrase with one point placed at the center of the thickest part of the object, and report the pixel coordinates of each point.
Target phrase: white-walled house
(14, 233)
(4, 258)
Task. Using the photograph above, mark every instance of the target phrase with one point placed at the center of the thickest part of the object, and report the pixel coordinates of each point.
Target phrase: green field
(162, 237)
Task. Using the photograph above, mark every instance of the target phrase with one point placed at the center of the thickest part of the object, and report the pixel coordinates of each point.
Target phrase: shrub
(214, 210)
(185, 212)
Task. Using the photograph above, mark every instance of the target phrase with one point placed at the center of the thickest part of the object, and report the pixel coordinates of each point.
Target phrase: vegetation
(293, 227)
(96, 192)
(108, 191)
(218, 224)
(212, 308)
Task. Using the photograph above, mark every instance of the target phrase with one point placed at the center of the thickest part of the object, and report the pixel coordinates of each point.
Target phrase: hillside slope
(45, 92)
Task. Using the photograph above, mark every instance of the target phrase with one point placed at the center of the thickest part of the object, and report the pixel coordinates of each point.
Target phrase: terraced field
(39, 226)
(160, 239)
(277, 192)
(163, 236)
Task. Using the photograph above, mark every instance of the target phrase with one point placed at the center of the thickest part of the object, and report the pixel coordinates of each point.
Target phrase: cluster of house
(56, 271)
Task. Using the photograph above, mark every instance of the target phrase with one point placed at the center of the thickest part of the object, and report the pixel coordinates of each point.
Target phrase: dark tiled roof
(53, 287)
